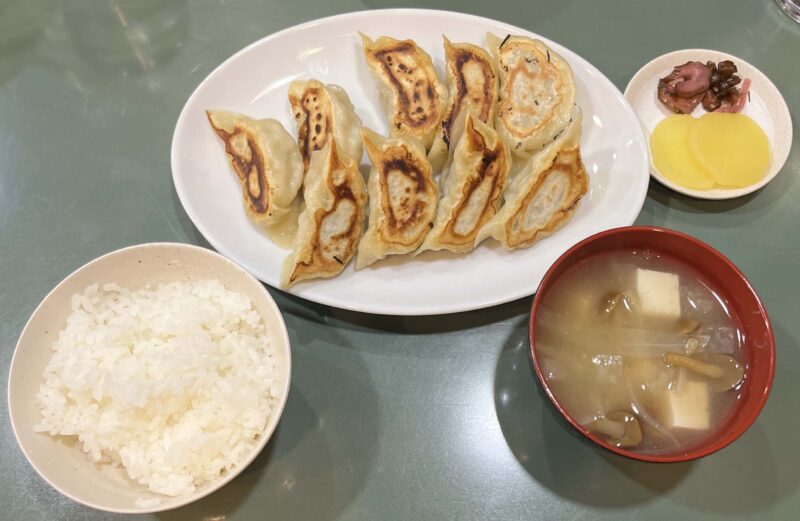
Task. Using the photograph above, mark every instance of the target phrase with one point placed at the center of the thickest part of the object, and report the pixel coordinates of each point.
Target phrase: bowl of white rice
(149, 378)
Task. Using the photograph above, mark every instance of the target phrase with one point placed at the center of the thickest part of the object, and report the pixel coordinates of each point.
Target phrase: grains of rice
(175, 383)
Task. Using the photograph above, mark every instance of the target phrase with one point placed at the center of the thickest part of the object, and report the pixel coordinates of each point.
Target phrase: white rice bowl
(175, 383)
(60, 460)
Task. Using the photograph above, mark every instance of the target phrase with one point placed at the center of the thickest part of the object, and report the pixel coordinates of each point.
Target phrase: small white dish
(255, 81)
(766, 106)
(64, 466)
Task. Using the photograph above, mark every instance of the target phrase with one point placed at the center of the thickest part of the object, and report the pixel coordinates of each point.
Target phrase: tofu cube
(659, 293)
(689, 405)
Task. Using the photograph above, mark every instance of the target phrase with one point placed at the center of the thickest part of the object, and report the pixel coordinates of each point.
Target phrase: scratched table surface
(388, 417)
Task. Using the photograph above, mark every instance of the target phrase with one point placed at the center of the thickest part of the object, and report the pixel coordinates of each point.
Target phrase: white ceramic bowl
(64, 466)
(766, 106)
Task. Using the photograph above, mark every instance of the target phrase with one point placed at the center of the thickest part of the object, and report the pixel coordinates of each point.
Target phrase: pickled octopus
(714, 85)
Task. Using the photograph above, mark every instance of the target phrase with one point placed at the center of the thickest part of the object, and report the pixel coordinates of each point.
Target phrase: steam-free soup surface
(602, 333)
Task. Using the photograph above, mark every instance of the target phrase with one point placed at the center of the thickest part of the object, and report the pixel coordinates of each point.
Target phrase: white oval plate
(766, 106)
(255, 81)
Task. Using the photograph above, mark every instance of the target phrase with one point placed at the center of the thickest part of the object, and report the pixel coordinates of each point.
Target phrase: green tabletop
(388, 417)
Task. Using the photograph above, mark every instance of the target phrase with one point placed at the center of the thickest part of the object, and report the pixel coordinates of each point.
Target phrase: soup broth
(632, 340)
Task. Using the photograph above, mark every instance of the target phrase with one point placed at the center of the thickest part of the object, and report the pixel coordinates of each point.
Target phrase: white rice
(175, 383)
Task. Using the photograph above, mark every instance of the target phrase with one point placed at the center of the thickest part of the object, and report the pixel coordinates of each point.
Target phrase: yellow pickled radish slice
(672, 157)
(731, 147)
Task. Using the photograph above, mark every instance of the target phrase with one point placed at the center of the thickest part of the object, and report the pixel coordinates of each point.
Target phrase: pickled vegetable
(717, 150)
(672, 156)
(731, 147)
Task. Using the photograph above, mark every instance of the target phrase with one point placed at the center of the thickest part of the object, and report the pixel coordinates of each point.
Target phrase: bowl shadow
(743, 477)
(751, 474)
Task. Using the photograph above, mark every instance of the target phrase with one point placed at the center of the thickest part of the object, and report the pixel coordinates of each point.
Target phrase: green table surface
(388, 417)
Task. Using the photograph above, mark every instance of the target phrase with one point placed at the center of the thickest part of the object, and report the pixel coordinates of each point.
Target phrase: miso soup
(638, 350)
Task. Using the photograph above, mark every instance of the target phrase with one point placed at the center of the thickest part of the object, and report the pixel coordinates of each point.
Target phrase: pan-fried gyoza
(503, 133)
(414, 97)
(472, 184)
(543, 196)
(321, 111)
(332, 222)
(266, 162)
(403, 197)
(537, 93)
(472, 82)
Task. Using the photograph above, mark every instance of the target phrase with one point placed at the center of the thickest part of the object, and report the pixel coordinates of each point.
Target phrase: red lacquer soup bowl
(720, 275)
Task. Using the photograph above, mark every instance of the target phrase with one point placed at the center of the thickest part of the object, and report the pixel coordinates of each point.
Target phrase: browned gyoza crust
(266, 162)
(481, 93)
(407, 221)
(249, 164)
(403, 198)
(537, 93)
(417, 97)
(319, 255)
(492, 169)
(473, 84)
(323, 113)
(543, 195)
(417, 102)
(567, 164)
(473, 187)
(312, 111)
